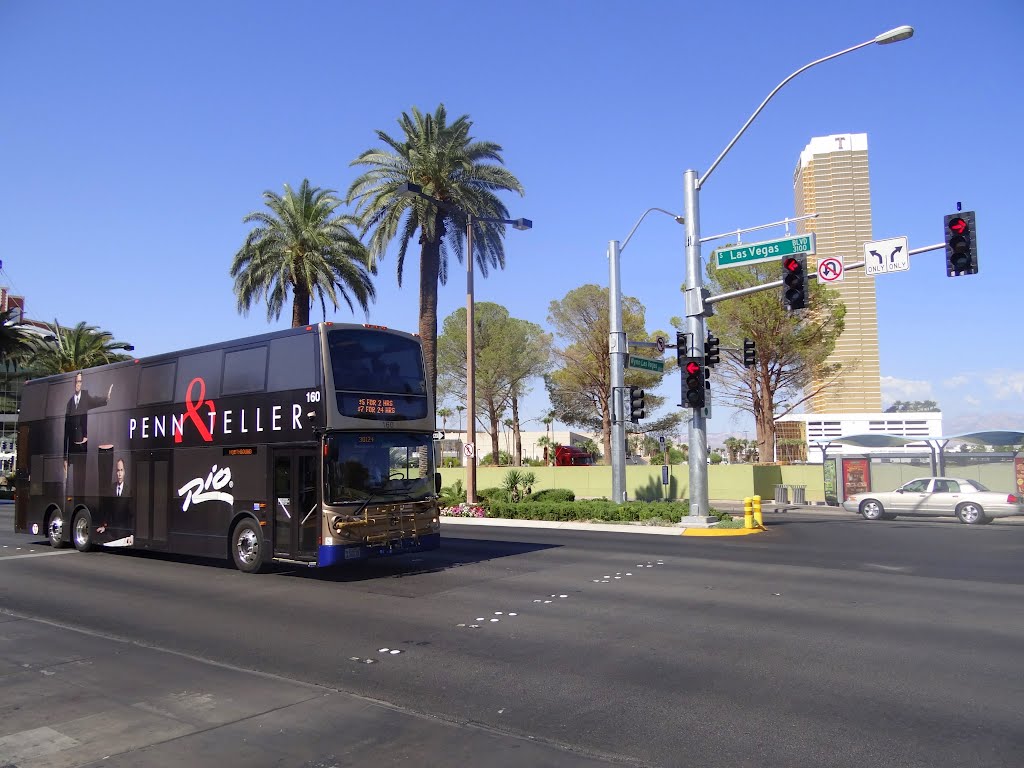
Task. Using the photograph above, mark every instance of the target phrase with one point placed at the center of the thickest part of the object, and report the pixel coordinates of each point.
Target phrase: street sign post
(769, 250)
(646, 364)
(892, 255)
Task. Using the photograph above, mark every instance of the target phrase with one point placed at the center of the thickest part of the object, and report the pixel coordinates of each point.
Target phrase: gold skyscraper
(831, 179)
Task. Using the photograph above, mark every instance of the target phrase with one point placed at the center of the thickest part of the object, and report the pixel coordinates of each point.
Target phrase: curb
(676, 530)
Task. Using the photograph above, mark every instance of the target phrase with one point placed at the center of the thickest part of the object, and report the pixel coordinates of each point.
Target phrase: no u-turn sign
(830, 269)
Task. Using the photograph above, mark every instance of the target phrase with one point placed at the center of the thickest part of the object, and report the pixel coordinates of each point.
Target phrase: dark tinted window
(57, 397)
(156, 384)
(365, 360)
(33, 402)
(205, 366)
(293, 363)
(245, 370)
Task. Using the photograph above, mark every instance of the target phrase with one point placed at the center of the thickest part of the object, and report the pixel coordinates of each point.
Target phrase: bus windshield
(392, 466)
(377, 375)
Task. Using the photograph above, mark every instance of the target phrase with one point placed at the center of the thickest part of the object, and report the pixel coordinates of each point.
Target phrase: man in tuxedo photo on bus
(76, 433)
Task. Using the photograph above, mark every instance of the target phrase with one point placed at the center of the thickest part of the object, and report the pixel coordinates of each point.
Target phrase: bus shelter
(845, 475)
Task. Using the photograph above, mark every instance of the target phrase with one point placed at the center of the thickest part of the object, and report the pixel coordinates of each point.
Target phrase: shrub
(552, 494)
(487, 495)
(604, 511)
(452, 495)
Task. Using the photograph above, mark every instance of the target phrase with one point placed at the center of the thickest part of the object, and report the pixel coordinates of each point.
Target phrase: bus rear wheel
(81, 532)
(55, 530)
(247, 546)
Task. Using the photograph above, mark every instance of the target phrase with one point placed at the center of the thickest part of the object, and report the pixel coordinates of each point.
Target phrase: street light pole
(695, 304)
(619, 349)
(410, 189)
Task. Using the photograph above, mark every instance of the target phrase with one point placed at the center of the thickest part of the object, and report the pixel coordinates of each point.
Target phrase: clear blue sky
(135, 136)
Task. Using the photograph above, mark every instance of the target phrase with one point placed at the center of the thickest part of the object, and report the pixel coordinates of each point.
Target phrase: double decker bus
(313, 446)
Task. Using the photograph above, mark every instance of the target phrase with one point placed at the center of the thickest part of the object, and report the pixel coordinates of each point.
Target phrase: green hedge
(551, 494)
(603, 511)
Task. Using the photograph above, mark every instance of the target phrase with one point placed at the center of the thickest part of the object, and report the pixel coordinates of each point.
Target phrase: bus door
(295, 479)
(151, 497)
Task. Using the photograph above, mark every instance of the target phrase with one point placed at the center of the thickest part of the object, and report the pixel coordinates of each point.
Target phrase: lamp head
(895, 35)
(408, 189)
(522, 224)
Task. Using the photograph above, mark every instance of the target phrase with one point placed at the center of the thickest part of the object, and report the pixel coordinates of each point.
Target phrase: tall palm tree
(460, 409)
(444, 413)
(71, 349)
(451, 166)
(302, 246)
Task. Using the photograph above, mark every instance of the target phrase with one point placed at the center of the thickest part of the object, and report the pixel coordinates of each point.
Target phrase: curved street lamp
(695, 320)
(408, 189)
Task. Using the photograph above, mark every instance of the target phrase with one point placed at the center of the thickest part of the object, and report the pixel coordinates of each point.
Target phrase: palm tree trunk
(495, 448)
(300, 306)
(430, 261)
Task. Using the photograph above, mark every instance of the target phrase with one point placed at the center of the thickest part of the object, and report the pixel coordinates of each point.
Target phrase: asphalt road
(826, 641)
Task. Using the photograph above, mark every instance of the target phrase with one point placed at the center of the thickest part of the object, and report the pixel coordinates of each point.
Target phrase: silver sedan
(969, 500)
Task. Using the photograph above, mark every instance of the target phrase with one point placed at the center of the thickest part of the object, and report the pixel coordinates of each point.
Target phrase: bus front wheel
(247, 549)
(55, 530)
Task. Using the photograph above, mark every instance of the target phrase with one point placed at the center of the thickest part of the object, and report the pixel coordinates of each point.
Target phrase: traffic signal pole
(696, 327)
(617, 347)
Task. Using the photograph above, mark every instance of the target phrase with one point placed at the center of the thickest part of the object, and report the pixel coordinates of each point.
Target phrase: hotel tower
(831, 180)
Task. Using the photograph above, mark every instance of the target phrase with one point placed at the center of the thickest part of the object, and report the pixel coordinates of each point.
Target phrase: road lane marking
(38, 554)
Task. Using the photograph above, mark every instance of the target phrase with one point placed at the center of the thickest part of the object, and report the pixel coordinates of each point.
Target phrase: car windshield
(976, 485)
(392, 466)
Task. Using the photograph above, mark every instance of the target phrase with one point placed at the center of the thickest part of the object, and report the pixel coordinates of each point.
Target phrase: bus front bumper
(338, 554)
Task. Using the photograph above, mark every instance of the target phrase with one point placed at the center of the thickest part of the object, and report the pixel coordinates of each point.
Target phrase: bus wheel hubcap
(247, 546)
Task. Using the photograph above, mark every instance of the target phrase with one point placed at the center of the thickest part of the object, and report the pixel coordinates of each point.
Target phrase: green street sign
(646, 364)
(770, 250)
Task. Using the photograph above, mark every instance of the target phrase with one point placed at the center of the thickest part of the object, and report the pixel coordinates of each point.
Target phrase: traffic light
(794, 282)
(711, 356)
(693, 382)
(961, 244)
(636, 404)
(749, 353)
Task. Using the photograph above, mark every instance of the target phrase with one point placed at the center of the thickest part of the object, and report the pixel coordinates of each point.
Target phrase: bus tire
(81, 531)
(247, 546)
(55, 529)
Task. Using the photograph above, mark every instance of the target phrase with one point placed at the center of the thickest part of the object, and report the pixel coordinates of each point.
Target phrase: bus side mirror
(437, 482)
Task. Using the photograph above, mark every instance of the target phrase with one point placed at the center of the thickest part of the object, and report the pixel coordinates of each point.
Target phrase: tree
(63, 350)
(792, 347)
(508, 352)
(13, 340)
(449, 165)
(913, 406)
(580, 384)
(301, 246)
(444, 413)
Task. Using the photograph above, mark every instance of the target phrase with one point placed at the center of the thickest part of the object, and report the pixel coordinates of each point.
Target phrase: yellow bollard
(748, 512)
(757, 512)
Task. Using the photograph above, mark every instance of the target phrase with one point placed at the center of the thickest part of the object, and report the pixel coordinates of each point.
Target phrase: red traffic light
(958, 225)
(692, 368)
(791, 264)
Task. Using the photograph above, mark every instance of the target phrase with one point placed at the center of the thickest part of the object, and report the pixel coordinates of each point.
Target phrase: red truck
(571, 456)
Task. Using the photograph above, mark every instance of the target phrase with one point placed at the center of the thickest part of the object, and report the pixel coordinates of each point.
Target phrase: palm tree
(13, 340)
(451, 166)
(444, 413)
(305, 247)
(71, 349)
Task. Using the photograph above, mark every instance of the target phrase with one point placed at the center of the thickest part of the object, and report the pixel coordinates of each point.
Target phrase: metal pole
(617, 347)
(470, 368)
(699, 504)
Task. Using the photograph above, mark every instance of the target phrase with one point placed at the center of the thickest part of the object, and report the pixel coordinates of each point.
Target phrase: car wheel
(970, 513)
(247, 546)
(872, 510)
(81, 532)
(55, 530)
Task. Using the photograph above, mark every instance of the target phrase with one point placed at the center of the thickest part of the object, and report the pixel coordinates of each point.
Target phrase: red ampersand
(192, 411)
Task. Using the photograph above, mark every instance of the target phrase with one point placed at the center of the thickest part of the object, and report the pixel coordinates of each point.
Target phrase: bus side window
(245, 370)
(293, 363)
